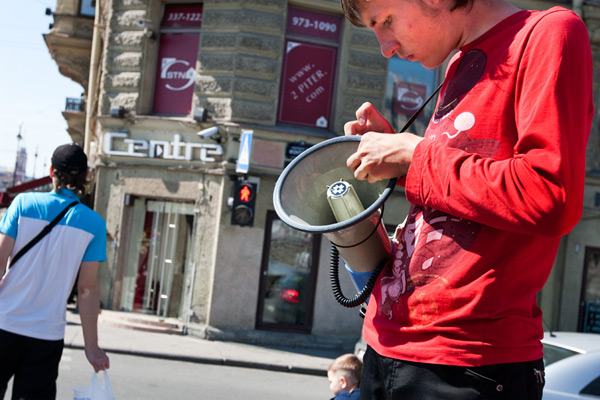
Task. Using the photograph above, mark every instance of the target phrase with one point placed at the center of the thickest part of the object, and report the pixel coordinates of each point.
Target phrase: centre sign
(163, 149)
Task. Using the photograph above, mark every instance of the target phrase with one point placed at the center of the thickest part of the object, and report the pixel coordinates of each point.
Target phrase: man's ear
(435, 5)
(51, 171)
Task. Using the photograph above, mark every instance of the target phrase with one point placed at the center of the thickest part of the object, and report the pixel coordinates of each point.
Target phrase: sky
(32, 91)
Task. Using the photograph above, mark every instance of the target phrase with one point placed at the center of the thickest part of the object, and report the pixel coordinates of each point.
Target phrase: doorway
(157, 253)
(288, 278)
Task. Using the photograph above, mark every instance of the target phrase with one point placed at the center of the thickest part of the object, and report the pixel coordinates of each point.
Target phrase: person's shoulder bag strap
(40, 235)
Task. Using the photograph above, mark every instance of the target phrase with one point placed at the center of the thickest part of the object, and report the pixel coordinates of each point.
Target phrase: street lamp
(35, 156)
(19, 137)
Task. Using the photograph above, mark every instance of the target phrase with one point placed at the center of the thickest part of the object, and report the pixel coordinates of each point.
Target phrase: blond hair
(350, 366)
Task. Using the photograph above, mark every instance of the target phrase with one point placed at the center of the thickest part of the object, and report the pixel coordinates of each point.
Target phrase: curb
(213, 361)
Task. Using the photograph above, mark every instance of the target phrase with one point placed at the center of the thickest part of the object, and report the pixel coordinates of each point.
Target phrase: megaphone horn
(318, 193)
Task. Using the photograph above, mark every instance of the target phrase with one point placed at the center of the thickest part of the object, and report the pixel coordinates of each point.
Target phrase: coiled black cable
(334, 260)
(360, 297)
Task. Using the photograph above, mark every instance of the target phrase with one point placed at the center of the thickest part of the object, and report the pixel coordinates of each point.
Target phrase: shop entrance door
(288, 278)
(589, 313)
(157, 256)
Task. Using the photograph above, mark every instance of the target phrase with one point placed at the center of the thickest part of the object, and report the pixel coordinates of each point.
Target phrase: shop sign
(176, 72)
(182, 15)
(307, 84)
(294, 149)
(163, 149)
(243, 161)
(592, 317)
(319, 25)
(408, 97)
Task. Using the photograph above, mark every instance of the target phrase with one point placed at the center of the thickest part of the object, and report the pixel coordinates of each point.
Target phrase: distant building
(292, 73)
(20, 167)
(6, 179)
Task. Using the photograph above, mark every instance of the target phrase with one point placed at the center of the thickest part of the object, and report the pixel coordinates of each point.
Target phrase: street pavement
(114, 339)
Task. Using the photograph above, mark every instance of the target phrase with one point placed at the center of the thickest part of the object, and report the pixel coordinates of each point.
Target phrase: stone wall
(239, 63)
(363, 77)
(124, 47)
(591, 17)
(240, 59)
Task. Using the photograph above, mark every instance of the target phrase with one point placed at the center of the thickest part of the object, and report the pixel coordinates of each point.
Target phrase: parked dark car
(290, 298)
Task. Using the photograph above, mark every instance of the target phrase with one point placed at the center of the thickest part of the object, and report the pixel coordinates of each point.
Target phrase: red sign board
(408, 97)
(307, 84)
(175, 73)
(182, 15)
(309, 23)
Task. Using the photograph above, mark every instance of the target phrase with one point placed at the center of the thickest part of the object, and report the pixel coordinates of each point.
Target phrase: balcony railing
(75, 104)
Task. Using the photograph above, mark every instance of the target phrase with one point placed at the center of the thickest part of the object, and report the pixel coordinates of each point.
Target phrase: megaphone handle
(363, 295)
(370, 234)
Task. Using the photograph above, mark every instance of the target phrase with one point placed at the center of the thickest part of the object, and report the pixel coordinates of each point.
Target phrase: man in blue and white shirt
(35, 290)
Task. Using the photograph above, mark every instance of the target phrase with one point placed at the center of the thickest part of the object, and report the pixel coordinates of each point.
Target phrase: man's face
(416, 30)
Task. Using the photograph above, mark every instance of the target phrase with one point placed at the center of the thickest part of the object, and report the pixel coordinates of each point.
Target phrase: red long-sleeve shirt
(497, 181)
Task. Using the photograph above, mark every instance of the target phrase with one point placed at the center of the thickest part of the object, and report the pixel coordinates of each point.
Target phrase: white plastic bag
(96, 390)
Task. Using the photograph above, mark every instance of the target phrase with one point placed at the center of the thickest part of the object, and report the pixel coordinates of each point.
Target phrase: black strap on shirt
(40, 235)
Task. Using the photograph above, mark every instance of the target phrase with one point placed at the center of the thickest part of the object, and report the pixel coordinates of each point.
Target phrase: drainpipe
(92, 96)
(578, 7)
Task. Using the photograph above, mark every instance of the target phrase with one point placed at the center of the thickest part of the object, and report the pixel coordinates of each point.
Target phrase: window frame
(318, 41)
(262, 289)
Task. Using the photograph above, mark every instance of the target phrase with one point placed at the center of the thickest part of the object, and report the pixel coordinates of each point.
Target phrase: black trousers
(32, 362)
(385, 378)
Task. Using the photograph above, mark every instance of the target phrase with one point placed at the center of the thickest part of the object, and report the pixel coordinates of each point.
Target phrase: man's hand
(379, 155)
(97, 358)
(88, 297)
(368, 119)
(383, 156)
(7, 244)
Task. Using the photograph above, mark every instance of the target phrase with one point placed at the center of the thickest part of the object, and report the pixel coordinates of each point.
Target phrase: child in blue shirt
(344, 377)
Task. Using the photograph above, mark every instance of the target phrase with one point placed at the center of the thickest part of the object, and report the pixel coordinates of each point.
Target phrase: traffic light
(244, 197)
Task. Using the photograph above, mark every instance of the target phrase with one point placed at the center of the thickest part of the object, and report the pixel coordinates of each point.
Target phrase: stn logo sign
(172, 72)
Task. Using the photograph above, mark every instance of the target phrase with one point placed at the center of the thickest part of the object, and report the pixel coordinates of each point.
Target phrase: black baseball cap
(70, 159)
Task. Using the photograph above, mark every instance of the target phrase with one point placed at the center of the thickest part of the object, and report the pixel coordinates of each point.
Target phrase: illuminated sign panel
(182, 16)
(408, 97)
(309, 23)
(119, 144)
(308, 75)
(307, 84)
(175, 73)
(177, 55)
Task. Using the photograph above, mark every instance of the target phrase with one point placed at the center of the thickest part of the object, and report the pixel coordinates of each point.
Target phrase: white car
(572, 365)
(559, 345)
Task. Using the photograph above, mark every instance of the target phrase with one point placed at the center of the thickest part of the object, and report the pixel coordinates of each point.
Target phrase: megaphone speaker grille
(300, 195)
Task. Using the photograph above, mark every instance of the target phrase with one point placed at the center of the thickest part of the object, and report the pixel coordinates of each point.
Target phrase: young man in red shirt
(494, 183)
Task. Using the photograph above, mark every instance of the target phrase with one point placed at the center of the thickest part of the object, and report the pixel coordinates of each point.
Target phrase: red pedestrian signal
(244, 196)
(245, 193)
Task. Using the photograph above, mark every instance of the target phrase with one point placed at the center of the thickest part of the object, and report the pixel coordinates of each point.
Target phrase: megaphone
(301, 201)
(311, 192)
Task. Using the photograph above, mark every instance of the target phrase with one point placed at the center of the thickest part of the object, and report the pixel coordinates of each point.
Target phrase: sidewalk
(190, 348)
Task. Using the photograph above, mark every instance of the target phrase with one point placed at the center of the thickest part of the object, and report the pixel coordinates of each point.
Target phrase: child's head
(344, 373)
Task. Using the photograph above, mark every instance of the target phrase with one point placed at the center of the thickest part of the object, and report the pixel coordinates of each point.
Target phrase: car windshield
(553, 354)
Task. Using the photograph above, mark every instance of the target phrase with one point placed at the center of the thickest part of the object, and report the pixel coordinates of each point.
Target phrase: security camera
(208, 132)
(144, 23)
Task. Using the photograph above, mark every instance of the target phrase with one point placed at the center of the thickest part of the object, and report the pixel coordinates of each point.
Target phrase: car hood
(572, 374)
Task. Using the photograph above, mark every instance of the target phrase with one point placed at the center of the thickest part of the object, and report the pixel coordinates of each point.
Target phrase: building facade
(191, 106)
